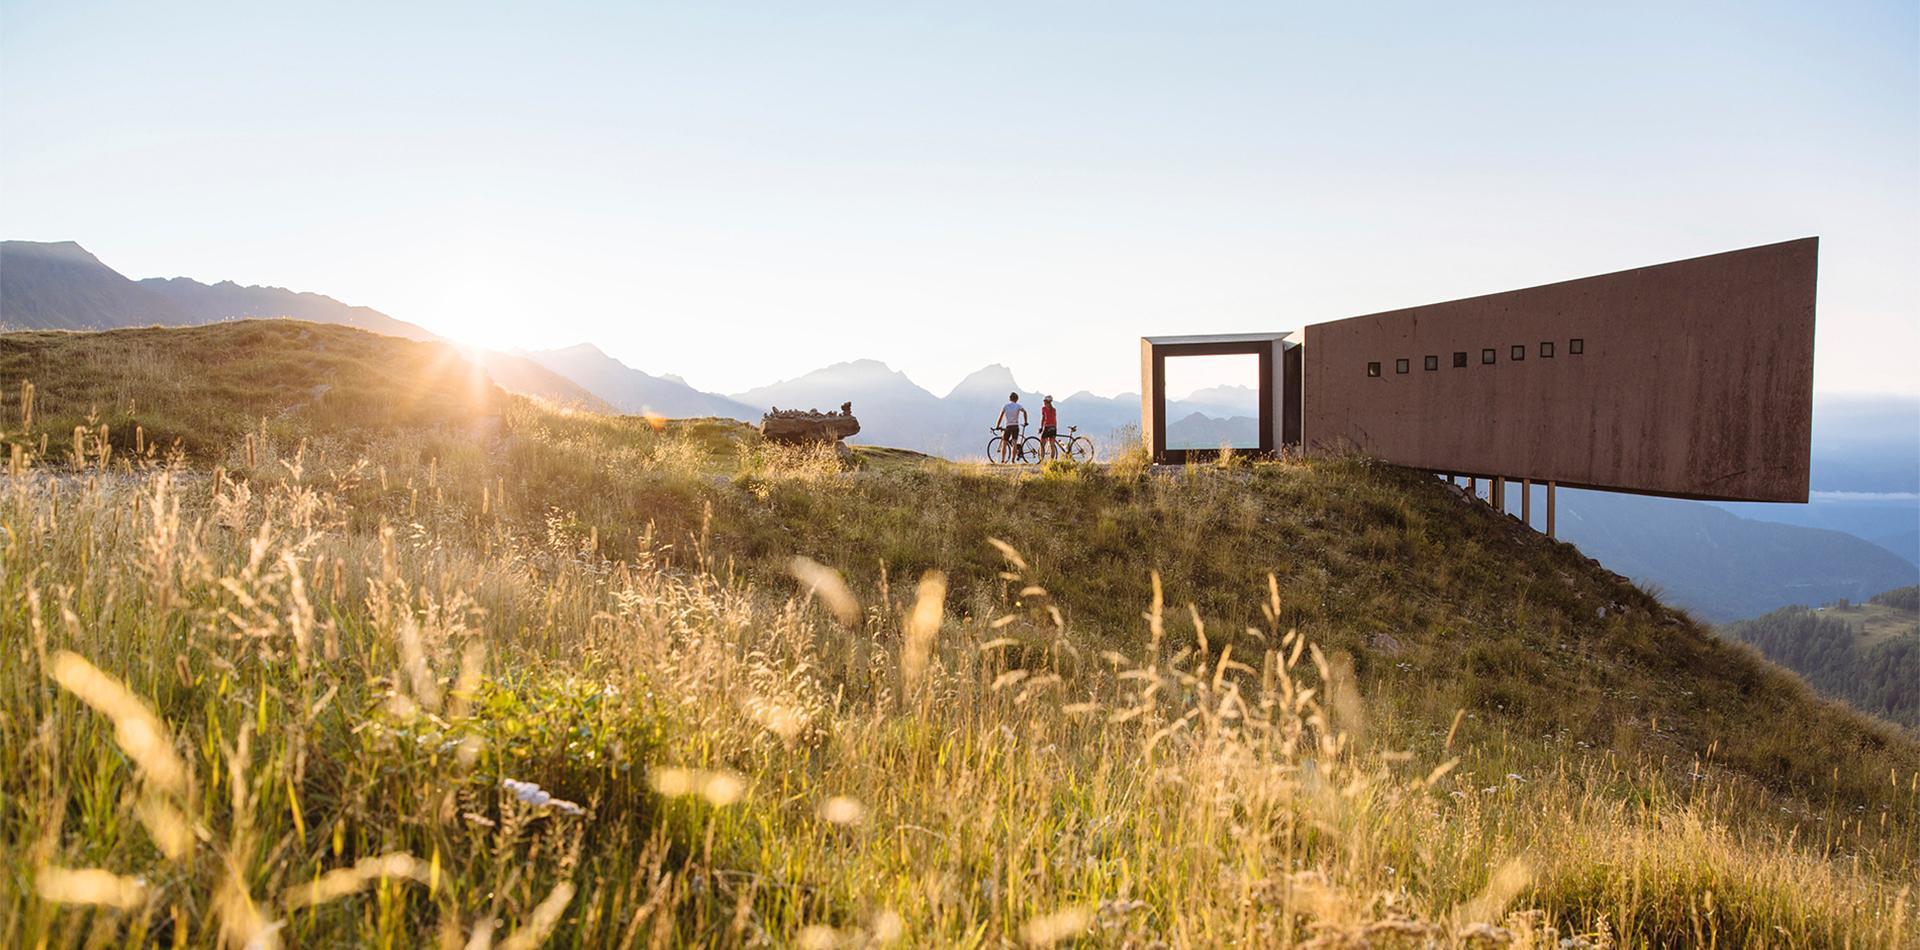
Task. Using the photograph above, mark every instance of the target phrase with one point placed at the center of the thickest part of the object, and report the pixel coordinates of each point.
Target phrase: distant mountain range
(1860, 535)
(632, 391)
(226, 300)
(1717, 564)
(60, 286)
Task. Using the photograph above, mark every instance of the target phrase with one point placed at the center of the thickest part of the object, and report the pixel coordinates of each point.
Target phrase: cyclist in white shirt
(1012, 417)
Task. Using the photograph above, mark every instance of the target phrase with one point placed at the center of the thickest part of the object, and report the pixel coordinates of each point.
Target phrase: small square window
(1486, 356)
(1459, 358)
(1519, 352)
(1399, 366)
(1373, 369)
(1546, 350)
(1576, 346)
(1432, 363)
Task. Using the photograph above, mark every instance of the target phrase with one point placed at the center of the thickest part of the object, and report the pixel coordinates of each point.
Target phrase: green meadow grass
(271, 688)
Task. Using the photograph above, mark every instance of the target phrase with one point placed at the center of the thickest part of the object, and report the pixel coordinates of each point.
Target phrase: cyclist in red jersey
(1049, 427)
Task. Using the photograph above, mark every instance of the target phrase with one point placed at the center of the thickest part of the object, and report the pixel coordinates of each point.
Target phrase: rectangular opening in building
(1212, 401)
(1546, 349)
(1399, 366)
(1373, 369)
(1519, 352)
(1576, 346)
(1459, 358)
(1432, 363)
(1486, 355)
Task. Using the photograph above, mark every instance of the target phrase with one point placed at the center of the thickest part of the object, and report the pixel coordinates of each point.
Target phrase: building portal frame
(1279, 386)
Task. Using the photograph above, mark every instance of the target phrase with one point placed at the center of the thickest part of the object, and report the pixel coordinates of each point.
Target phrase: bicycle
(1073, 447)
(1015, 448)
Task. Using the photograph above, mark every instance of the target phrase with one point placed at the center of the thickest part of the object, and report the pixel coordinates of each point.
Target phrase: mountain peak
(864, 366)
(992, 378)
(861, 369)
(66, 251)
(578, 350)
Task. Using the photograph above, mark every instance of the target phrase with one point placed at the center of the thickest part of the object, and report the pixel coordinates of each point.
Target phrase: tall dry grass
(380, 694)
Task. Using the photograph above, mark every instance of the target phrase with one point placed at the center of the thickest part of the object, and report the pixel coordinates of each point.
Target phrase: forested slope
(1866, 654)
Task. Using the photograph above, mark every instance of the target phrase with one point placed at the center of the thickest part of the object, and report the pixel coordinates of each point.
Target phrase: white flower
(538, 797)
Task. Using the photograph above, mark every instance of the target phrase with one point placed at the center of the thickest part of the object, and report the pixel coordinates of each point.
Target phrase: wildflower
(538, 797)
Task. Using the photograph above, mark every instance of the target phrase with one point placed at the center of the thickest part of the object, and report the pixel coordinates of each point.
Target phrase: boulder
(802, 426)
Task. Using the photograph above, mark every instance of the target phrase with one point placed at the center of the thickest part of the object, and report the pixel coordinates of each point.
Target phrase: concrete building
(1279, 401)
(1691, 379)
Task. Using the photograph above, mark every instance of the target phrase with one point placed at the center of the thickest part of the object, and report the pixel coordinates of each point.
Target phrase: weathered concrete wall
(1695, 380)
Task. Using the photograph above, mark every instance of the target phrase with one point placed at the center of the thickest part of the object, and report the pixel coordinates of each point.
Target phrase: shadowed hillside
(206, 387)
(60, 286)
(392, 678)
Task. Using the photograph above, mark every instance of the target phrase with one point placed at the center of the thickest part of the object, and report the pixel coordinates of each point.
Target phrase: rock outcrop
(802, 426)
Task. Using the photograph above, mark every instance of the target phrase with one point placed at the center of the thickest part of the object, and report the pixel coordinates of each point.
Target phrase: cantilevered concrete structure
(1691, 379)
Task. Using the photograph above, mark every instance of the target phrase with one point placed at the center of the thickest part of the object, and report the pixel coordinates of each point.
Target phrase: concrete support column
(1499, 490)
(1550, 487)
(1526, 501)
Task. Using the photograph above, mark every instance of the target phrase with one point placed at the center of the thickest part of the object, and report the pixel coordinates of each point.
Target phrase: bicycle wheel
(993, 450)
(1079, 448)
(1030, 450)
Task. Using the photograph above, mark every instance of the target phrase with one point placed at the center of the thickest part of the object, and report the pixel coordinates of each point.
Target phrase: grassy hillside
(1865, 654)
(292, 700)
(205, 388)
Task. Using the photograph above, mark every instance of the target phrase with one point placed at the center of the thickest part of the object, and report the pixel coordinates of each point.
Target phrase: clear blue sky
(740, 192)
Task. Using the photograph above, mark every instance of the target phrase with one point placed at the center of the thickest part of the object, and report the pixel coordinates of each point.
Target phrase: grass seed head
(831, 587)
(138, 731)
(1049, 929)
(90, 886)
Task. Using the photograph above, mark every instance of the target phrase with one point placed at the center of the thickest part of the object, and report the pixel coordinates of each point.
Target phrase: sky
(742, 192)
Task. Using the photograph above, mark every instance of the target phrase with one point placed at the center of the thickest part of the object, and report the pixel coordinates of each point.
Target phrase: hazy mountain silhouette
(1717, 564)
(893, 409)
(518, 374)
(1866, 443)
(989, 386)
(1904, 543)
(58, 285)
(226, 300)
(1866, 473)
(1225, 401)
(1197, 430)
(630, 390)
